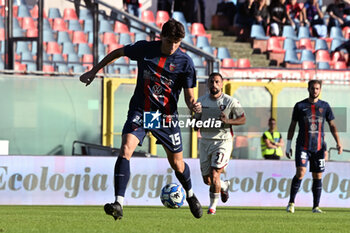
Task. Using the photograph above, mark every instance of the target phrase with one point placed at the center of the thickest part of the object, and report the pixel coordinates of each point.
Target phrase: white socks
(189, 193)
(120, 200)
(214, 199)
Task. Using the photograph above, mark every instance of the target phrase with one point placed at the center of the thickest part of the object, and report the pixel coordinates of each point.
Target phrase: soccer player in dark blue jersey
(310, 114)
(163, 70)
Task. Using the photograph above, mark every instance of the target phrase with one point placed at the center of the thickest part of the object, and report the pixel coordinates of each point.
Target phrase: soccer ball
(173, 196)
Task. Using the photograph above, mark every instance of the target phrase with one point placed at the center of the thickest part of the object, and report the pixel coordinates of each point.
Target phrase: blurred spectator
(228, 9)
(344, 51)
(336, 14)
(294, 14)
(244, 17)
(272, 142)
(165, 5)
(88, 5)
(260, 12)
(188, 8)
(202, 7)
(278, 16)
(314, 18)
(132, 7)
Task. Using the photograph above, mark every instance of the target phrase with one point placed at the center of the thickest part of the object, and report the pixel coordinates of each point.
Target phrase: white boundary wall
(75, 180)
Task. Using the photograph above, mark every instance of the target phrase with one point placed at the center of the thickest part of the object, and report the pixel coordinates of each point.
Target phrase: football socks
(316, 191)
(294, 189)
(185, 179)
(121, 176)
(214, 199)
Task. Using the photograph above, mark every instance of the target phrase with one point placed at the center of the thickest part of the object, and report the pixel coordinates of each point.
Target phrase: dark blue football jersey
(311, 118)
(160, 77)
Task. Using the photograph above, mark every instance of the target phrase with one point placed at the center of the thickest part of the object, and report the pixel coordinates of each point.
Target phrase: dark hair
(173, 29)
(312, 82)
(212, 75)
(272, 119)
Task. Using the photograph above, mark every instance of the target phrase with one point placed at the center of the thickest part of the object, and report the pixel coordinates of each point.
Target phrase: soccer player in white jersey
(216, 143)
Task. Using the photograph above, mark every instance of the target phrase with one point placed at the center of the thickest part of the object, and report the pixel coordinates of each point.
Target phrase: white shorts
(214, 153)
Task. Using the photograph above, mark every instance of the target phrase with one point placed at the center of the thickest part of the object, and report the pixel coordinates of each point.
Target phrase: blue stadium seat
(88, 25)
(208, 49)
(85, 14)
(58, 58)
(22, 47)
(83, 49)
(258, 32)
(23, 11)
(2, 24)
(188, 39)
(62, 68)
(290, 56)
(288, 32)
(323, 65)
(307, 55)
(48, 36)
(73, 58)
(46, 26)
(223, 53)
(31, 66)
(74, 25)
(2, 63)
(289, 44)
(192, 55)
(202, 41)
(336, 33)
(335, 44)
(16, 24)
(303, 32)
(179, 16)
(124, 39)
(63, 37)
(321, 45)
(18, 32)
(78, 68)
(54, 13)
(140, 36)
(27, 57)
(68, 48)
(105, 26)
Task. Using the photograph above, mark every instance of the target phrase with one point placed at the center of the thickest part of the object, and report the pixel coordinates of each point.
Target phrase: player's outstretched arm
(334, 132)
(289, 139)
(89, 76)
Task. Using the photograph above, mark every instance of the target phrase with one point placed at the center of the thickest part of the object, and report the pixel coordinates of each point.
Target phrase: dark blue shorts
(317, 159)
(169, 137)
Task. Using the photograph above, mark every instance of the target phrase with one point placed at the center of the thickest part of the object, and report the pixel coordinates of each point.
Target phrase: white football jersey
(212, 108)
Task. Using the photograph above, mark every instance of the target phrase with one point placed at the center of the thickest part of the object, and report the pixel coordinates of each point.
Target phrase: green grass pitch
(147, 219)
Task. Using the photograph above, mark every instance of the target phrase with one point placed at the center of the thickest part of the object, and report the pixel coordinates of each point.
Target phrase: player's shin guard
(121, 176)
(316, 191)
(294, 189)
(185, 179)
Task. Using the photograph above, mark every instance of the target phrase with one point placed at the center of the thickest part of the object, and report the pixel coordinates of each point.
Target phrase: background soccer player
(163, 70)
(216, 143)
(310, 114)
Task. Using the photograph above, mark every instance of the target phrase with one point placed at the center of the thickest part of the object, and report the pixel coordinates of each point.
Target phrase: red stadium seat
(53, 48)
(228, 63)
(305, 43)
(346, 32)
(109, 38)
(20, 66)
(2, 34)
(243, 63)
(112, 47)
(308, 65)
(337, 56)
(79, 37)
(198, 29)
(59, 24)
(323, 56)
(274, 45)
(120, 27)
(48, 68)
(88, 59)
(147, 16)
(32, 32)
(161, 18)
(69, 13)
(339, 65)
(28, 23)
(35, 12)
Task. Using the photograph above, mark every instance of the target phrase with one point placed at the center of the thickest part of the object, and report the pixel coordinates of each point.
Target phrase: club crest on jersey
(222, 107)
(320, 110)
(172, 67)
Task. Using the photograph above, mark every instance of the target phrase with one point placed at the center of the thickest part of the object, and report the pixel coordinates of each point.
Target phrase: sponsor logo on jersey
(157, 89)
